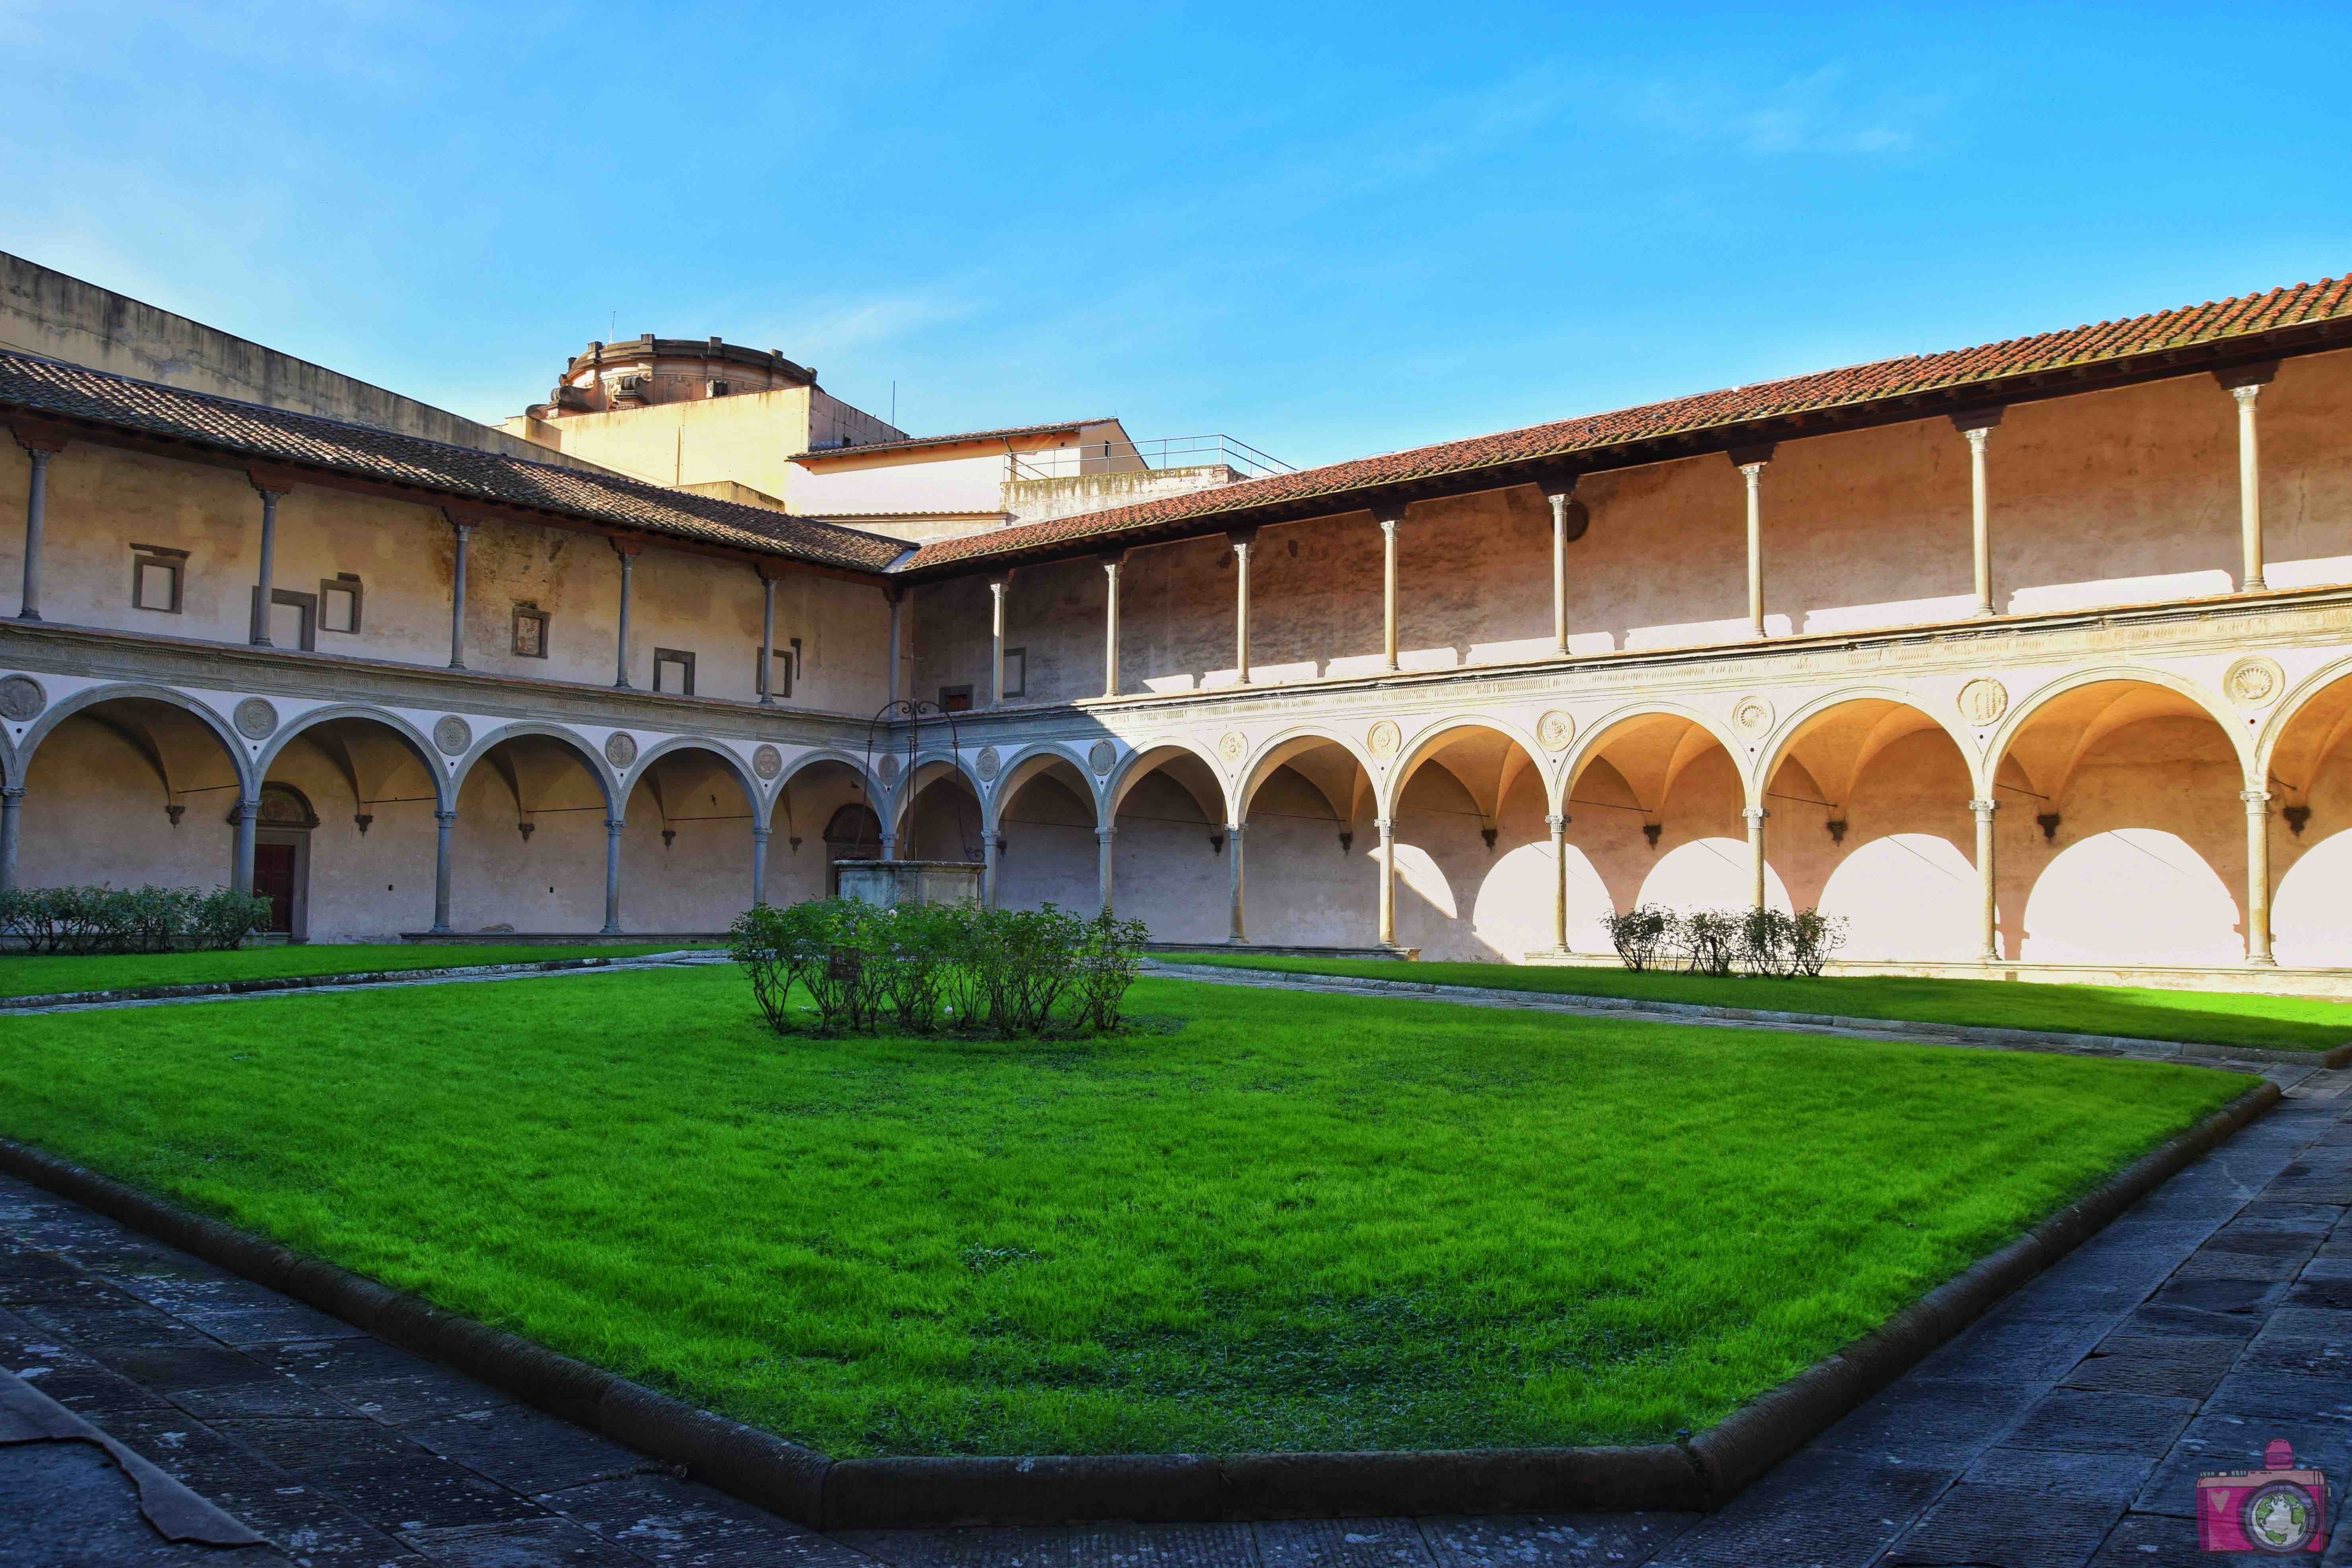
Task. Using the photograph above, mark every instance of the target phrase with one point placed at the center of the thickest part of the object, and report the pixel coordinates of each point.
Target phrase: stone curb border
(318, 981)
(805, 1486)
(1583, 1002)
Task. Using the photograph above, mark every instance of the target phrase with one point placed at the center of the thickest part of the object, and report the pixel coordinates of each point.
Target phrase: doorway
(281, 859)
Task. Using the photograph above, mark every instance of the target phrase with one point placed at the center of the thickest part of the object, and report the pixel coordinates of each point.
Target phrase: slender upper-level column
(264, 580)
(1389, 525)
(1233, 880)
(1558, 823)
(2246, 385)
(758, 865)
(444, 821)
(1755, 816)
(1105, 841)
(465, 532)
(1750, 461)
(1987, 907)
(1241, 541)
(2258, 876)
(767, 640)
(40, 445)
(627, 552)
(996, 586)
(1110, 565)
(1978, 427)
(613, 826)
(897, 596)
(1387, 826)
(12, 800)
(1560, 499)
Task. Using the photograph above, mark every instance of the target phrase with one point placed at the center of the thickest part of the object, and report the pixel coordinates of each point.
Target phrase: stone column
(2258, 876)
(890, 846)
(1978, 428)
(1110, 566)
(1752, 471)
(261, 588)
(1106, 840)
(989, 856)
(2249, 488)
(1558, 823)
(613, 826)
(40, 447)
(11, 801)
(240, 871)
(1756, 816)
(1387, 828)
(768, 641)
(1233, 878)
(465, 532)
(897, 596)
(1988, 905)
(996, 586)
(1242, 543)
(628, 554)
(1560, 499)
(759, 865)
(1388, 591)
(444, 822)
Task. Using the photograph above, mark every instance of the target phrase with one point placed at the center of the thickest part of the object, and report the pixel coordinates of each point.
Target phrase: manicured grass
(27, 976)
(1269, 1221)
(2205, 1017)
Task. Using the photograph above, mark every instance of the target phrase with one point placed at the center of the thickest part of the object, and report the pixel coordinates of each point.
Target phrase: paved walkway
(2065, 1428)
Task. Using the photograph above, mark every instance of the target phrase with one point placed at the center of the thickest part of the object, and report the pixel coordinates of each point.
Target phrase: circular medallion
(1983, 701)
(889, 768)
(1384, 738)
(1232, 748)
(21, 698)
(1555, 730)
(1752, 716)
(1100, 756)
(767, 761)
(453, 735)
(2254, 681)
(620, 748)
(256, 718)
(987, 763)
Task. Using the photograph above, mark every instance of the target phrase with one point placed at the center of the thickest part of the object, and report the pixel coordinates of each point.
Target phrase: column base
(440, 930)
(609, 929)
(2263, 961)
(2253, 585)
(1983, 612)
(28, 615)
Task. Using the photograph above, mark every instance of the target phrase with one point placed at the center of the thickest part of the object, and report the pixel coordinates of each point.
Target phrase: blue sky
(1328, 231)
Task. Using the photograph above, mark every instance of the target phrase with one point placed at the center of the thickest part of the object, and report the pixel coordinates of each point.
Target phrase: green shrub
(1643, 935)
(78, 920)
(1710, 942)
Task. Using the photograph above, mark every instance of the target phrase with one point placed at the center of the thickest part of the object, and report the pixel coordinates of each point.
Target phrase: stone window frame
(340, 582)
(950, 696)
(309, 605)
(528, 610)
(1016, 659)
(164, 556)
(673, 656)
(782, 665)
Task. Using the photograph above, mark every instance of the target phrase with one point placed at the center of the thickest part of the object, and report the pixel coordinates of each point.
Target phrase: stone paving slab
(2068, 1426)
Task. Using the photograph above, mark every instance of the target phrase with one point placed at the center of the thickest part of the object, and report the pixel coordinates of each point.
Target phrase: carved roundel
(1983, 701)
(1555, 730)
(1232, 748)
(256, 718)
(21, 698)
(1100, 756)
(889, 768)
(987, 763)
(1752, 717)
(620, 748)
(767, 761)
(1384, 738)
(453, 735)
(2254, 681)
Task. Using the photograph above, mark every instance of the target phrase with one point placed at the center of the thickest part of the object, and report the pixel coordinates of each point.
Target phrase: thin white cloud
(1822, 111)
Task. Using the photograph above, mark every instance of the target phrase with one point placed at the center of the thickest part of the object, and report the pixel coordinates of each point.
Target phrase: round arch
(91, 697)
(729, 762)
(616, 804)
(444, 793)
(1798, 724)
(1587, 745)
(1027, 764)
(2023, 711)
(1432, 739)
(2292, 706)
(929, 769)
(1281, 748)
(1145, 760)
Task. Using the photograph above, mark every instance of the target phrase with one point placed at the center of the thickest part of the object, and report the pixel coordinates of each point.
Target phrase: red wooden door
(273, 878)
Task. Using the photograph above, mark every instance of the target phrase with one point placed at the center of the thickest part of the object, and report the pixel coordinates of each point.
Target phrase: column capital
(613, 824)
(1386, 826)
(246, 811)
(997, 585)
(1111, 563)
(42, 440)
(1984, 807)
(1755, 813)
(1388, 524)
(1558, 491)
(1751, 459)
(1977, 424)
(1558, 822)
(760, 832)
(12, 793)
(2248, 378)
(1241, 539)
(1977, 438)
(626, 549)
(446, 818)
(1105, 834)
(2246, 395)
(2255, 799)
(1236, 829)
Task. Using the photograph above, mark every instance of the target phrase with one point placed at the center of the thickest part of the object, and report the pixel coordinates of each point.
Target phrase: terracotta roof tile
(1853, 386)
(29, 383)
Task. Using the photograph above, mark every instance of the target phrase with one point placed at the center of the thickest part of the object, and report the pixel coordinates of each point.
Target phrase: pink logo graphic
(2277, 1510)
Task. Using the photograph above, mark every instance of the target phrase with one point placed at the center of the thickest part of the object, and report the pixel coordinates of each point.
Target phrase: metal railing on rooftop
(1132, 457)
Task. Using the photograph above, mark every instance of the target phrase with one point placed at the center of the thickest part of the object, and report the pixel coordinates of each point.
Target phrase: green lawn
(2206, 1017)
(26, 975)
(1268, 1221)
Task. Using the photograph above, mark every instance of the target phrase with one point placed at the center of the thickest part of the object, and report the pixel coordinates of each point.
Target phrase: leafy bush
(926, 967)
(1812, 937)
(1768, 940)
(1643, 935)
(78, 920)
(1710, 942)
